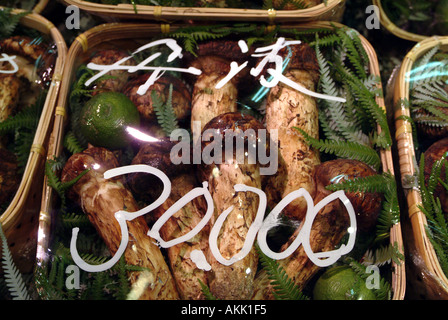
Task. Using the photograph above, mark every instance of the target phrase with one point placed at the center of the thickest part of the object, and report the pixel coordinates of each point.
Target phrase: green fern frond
(13, 278)
(384, 291)
(383, 255)
(9, 21)
(60, 187)
(283, 287)
(165, 112)
(74, 219)
(72, 143)
(355, 51)
(373, 183)
(344, 149)
(206, 291)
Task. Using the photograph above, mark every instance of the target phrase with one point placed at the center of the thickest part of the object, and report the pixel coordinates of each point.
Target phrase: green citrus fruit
(341, 283)
(105, 117)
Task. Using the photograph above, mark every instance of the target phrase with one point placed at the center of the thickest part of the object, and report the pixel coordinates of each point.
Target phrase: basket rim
(394, 29)
(92, 37)
(406, 153)
(187, 13)
(38, 151)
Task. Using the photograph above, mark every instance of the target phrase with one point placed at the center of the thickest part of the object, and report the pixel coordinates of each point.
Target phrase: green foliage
(22, 127)
(437, 228)
(206, 291)
(295, 4)
(9, 21)
(344, 73)
(60, 187)
(344, 149)
(384, 255)
(283, 287)
(428, 97)
(383, 292)
(13, 278)
(252, 32)
(165, 112)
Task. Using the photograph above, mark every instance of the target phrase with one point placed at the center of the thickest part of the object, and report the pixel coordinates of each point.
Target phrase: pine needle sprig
(13, 278)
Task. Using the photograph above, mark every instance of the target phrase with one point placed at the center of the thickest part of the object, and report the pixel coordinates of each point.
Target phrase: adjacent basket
(393, 28)
(40, 6)
(408, 164)
(126, 31)
(20, 220)
(332, 11)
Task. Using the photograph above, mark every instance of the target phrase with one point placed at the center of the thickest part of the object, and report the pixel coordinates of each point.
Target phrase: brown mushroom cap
(119, 77)
(438, 150)
(22, 46)
(157, 155)
(214, 57)
(95, 158)
(231, 123)
(367, 205)
(181, 97)
(430, 131)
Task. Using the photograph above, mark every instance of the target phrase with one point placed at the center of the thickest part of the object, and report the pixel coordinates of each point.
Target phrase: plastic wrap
(196, 215)
(421, 116)
(31, 63)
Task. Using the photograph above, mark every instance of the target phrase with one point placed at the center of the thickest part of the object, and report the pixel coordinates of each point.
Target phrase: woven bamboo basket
(103, 34)
(20, 220)
(408, 164)
(393, 28)
(333, 11)
(40, 6)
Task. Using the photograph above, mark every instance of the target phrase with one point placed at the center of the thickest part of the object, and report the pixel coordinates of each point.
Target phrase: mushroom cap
(430, 131)
(119, 77)
(158, 155)
(367, 205)
(438, 150)
(97, 159)
(181, 96)
(234, 126)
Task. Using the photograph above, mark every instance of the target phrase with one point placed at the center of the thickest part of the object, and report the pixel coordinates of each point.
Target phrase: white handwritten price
(10, 60)
(258, 229)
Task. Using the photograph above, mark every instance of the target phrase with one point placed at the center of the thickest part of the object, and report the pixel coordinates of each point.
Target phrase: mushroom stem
(100, 199)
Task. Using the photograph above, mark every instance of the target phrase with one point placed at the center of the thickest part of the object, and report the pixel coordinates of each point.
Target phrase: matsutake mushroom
(214, 59)
(185, 272)
(100, 199)
(330, 224)
(22, 87)
(286, 109)
(235, 281)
